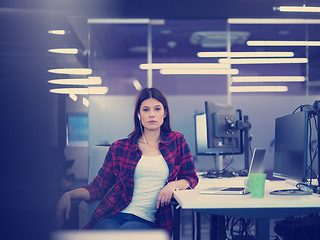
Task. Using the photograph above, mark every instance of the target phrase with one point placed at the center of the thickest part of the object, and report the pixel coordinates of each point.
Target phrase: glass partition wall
(116, 51)
(191, 61)
(205, 57)
(159, 53)
(276, 56)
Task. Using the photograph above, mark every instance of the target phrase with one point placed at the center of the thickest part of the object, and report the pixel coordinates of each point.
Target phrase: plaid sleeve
(105, 179)
(187, 169)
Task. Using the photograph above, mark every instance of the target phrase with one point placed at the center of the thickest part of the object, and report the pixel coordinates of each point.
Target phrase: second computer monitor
(291, 147)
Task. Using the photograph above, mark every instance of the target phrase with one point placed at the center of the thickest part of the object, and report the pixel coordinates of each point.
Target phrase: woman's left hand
(165, 195)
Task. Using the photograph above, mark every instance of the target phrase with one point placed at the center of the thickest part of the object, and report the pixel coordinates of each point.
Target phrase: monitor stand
(294, 191)
(218, 162)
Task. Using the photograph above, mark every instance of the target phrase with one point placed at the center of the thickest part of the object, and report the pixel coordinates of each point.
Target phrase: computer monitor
(77, 130)
(291, 147)
(217, 128)
(201, 136)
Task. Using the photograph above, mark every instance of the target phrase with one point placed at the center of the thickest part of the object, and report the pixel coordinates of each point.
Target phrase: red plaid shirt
(115, 181)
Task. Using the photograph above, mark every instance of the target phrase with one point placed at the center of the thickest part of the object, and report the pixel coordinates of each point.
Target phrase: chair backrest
(97, 157)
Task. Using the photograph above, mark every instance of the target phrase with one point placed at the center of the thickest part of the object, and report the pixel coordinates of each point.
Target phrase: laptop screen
(256, 165)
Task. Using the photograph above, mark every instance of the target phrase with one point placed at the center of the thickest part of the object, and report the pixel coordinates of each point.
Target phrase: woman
(140, 173)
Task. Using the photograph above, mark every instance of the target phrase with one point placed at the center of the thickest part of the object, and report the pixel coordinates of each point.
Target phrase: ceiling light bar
(258, 89)
(137, 85)
(247, 79)
(85, 102)
(145, 66)
(57, 32)
(199, 71)
(73, 97)
(262, 60)
(284, 43)
(80, 91)
(157, 21)
(126, 21)
(272, 21)
(245, 54)
(64, 50)
(297, 9)
(118, 20)
(77, 81)
(76, 71)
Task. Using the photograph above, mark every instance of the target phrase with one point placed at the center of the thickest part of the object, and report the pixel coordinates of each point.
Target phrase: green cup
(255, 184)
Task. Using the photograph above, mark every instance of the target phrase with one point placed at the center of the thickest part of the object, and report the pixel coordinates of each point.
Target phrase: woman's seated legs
(123, 221)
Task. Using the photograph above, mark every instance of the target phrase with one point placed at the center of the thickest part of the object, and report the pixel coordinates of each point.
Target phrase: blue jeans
(123, 221)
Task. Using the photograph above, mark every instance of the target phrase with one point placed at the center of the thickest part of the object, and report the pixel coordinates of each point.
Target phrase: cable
(302, 227)
(142, 131)
(238, 227)
(303, 107)
(313, 153)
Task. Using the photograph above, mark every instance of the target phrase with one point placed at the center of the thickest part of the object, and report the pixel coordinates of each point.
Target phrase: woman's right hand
(63, 208)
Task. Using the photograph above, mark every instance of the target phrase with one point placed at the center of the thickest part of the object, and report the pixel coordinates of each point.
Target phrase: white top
(150, 177)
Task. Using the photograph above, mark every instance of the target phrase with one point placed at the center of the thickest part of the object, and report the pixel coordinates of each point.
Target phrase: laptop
(256, 166)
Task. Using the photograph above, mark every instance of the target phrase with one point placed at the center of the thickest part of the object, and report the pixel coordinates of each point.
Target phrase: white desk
(243, 206)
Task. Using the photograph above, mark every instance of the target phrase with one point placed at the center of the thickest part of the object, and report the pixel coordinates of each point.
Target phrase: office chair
(98, 154)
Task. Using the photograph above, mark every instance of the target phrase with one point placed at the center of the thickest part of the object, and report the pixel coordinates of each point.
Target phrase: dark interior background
(28, 156)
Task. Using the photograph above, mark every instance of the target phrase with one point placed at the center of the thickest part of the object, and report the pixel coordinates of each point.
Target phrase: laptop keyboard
(233, 189)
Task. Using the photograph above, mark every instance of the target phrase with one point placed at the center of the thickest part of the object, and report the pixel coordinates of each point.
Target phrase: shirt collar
(165, 138)
(134, 142)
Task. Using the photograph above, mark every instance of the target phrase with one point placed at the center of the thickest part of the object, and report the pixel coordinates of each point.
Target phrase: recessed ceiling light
(76, 71)
(85, 102)
(297, 9)
(268, 79)
(137, 85)
(258, 89)
(126, 21)
(73, 97)
(199, 71)
(80, 91)
(262, 60)
(77, 81)
(171, 44)
(57, 32)
(64, 50)
(272, 21)
(245, 54)
(118, 20)
(145, 66)
(284, 43)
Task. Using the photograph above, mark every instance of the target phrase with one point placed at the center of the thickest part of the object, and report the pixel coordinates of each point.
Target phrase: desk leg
(176, 222)
(196, 232)
(217, 228)
(262, 229)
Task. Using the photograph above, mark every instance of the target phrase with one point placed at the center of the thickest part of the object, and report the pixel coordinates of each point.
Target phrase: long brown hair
(146, 94)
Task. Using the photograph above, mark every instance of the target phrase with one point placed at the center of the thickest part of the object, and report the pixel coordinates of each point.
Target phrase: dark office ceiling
(179, 40)
(160, 9)
(184, 38)
(187, 25)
